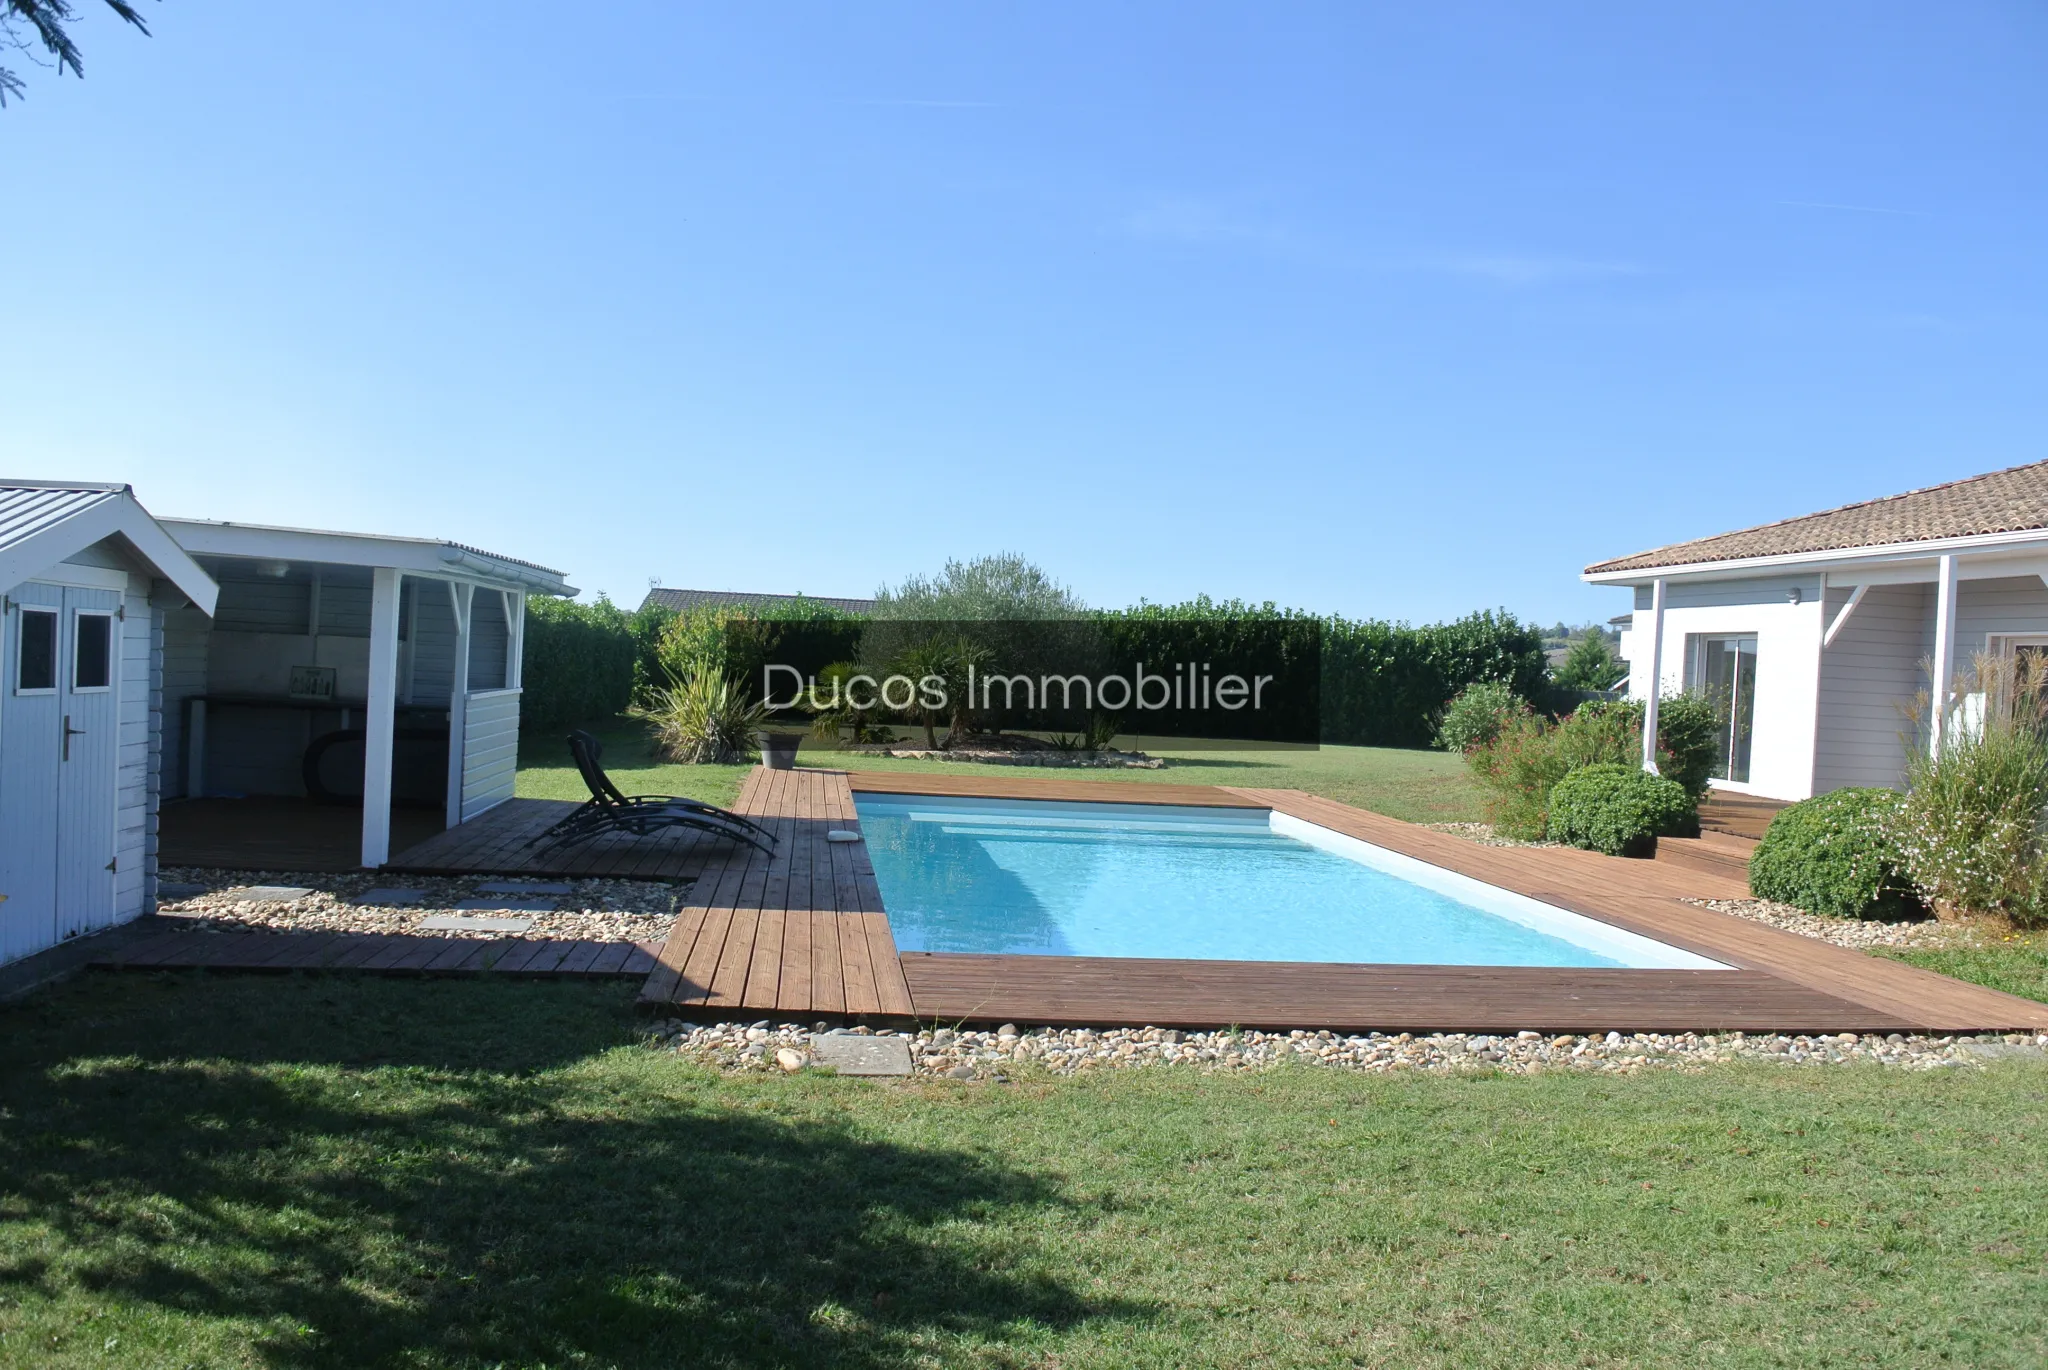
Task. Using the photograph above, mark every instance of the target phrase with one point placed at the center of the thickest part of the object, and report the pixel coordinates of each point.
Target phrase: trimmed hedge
(1836, 855)
(1620, 810)
(584, 661)
(1383, 684)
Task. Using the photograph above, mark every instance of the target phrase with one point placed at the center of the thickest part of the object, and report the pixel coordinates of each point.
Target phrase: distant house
(87, 578)
(680, 600)
(1821, 631)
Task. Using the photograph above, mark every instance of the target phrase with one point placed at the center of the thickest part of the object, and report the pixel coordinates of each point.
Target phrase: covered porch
(1829, 663)
(356, 695)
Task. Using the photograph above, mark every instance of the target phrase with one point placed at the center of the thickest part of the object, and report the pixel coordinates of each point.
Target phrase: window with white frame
(1723, 668)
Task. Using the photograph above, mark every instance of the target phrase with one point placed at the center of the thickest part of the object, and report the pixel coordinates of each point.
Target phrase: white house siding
(133, 809)
(2013, 604)
(1787, 672)
(1869, 678)
(490, 749)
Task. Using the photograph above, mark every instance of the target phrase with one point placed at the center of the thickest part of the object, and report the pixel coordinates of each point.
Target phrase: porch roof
(420, 556)
(1981, 512)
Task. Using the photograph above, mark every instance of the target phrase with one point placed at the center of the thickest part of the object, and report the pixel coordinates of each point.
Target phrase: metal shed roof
(44, 522)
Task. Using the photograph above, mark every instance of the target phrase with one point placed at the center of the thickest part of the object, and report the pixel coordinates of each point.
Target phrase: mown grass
(331, 1172)
(2014, 962)
(1417, 786)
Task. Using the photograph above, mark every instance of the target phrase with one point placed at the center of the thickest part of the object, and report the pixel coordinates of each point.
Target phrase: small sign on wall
(313, 682)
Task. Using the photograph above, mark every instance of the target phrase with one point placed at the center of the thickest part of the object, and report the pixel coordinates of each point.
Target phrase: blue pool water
(1140, 880)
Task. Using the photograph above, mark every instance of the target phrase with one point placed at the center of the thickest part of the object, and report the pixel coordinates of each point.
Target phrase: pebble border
(941, 1052)
(597, 910)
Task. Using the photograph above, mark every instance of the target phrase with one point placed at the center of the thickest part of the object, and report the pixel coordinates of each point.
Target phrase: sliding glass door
(1724, 669)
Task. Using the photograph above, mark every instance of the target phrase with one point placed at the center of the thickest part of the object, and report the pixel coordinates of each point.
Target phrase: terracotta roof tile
(2008, 501)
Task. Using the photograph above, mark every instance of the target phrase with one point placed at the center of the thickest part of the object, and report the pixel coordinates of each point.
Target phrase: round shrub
(1476, 717)
(1836, 855)
(1620, 810)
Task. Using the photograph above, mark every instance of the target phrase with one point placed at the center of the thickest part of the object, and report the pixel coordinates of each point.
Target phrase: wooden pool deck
(804, 935)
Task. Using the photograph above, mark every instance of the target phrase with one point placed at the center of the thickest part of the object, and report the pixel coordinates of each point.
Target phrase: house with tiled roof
(1821, 632)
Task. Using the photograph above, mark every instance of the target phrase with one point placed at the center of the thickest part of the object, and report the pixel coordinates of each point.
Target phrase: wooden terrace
(804, 935)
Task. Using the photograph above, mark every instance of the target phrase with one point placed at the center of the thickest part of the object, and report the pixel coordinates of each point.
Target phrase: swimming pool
(1034, 877)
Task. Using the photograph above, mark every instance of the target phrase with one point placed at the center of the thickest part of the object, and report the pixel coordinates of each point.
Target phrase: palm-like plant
(706, 717)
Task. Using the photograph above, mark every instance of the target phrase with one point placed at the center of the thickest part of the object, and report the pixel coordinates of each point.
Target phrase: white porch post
(515, 630)
(1944, 650)
(1656, 675)
(379, 717)
(461, 595)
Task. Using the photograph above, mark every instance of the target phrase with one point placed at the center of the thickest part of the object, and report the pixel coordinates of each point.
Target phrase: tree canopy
(39, 30)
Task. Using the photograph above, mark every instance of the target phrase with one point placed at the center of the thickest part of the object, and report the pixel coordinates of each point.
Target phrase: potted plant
(778, 749)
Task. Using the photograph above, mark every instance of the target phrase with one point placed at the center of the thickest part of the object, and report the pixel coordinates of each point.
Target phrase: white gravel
(1483, 834)
(596, 910)
(1859, 933)
(1067, 1051)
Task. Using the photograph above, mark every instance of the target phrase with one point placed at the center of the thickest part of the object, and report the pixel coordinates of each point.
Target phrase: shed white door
(88, 755)
(60, 744)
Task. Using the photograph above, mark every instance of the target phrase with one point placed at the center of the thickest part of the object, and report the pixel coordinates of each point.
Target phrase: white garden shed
(87, 577)
(345, 670)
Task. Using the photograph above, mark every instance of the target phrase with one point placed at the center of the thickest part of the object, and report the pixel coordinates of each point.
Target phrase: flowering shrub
(1618, 809)
(1836, 855)
(1971, 825)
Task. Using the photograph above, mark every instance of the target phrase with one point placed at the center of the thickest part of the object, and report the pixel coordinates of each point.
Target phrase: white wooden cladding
(490, 749)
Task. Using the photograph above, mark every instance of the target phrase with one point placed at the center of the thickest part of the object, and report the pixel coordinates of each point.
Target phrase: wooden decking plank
(892, 991)
(1117, 991)
(143, 952)
(518, 956)
(794, 991)
(580, 958)
(612, 959)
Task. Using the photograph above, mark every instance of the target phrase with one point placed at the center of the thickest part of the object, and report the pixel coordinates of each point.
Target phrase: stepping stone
(178, 889)
(504, 905)
(266, 894)
(852, 1055)
(2001, 1051)
(383, 895)
(455, 922)
(525, 887)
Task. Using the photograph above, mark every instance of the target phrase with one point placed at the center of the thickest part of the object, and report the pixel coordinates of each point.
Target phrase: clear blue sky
(1396, 310)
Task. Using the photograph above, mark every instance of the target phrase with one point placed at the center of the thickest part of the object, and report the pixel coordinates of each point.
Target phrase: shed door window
(1724, 670)
(35, 660)
(92, 656)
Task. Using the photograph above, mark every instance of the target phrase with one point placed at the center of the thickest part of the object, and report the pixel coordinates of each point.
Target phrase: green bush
(1618, 809)
(1689, 730)
(1836, 855)
(1477, 715)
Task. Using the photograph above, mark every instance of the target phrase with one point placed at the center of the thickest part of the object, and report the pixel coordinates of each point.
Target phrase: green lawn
(2016, 963)
(1418, 786)
(289, 1172)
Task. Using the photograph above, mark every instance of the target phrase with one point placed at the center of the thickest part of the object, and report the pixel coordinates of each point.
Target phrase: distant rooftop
(680, 600)
(2014, 500)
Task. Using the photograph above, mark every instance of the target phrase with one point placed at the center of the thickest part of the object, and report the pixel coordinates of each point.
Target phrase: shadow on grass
(382, 1210)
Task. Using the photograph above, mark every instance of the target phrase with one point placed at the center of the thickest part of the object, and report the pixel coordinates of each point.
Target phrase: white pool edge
(1633, 950)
